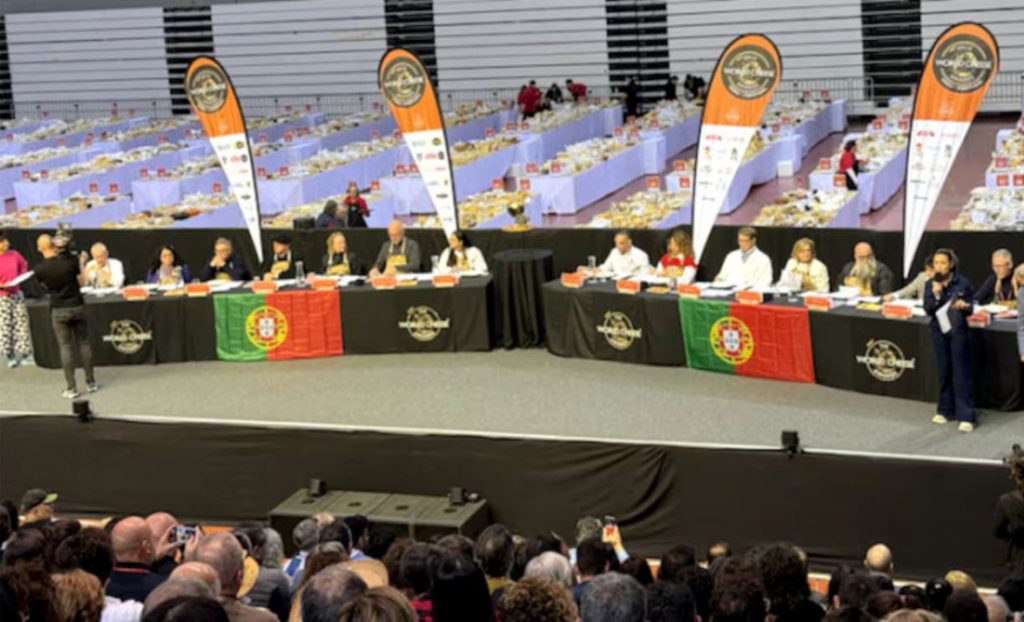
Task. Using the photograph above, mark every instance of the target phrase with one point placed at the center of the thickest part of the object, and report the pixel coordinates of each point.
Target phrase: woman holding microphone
(947, 297)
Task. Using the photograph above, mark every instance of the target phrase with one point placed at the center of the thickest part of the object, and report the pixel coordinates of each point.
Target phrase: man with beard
(867, 274)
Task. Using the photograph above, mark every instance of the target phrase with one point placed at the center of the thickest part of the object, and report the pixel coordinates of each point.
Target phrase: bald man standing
(132, 578)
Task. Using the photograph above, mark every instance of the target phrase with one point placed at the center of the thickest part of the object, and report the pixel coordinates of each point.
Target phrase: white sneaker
(70, 394)
(93, 387)
(966, 426)
(14, 362)
(940, 419)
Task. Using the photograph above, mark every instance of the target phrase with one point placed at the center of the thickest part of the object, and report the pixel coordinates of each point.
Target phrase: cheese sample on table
(479, 208)
(328, 159)
(70, 206)
(803, 208)
(286, 219)
(583, 156)
(991, 210)
(642, 210)
(190, 206)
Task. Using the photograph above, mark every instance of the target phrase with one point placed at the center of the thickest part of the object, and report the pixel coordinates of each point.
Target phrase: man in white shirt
(103, 270)
(746, 266)
(626, 259)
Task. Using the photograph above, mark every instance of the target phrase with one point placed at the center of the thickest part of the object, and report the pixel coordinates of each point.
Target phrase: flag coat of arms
(277, 326)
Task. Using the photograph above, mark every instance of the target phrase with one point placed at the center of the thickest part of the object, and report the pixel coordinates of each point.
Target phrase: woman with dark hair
(167, 268)
(328, 218)
(459, 591)
(849, 165)
(461, 256)
(356, 210)
(15, 339)
(947, 300)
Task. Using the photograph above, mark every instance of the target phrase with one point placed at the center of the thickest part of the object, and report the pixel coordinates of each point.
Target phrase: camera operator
(1009, 517)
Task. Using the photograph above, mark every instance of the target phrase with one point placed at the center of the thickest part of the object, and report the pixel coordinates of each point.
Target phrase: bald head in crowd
(161, 524)
(176, 587)
(223, 553)
(879, 559)
(132, 541)
(201, 572)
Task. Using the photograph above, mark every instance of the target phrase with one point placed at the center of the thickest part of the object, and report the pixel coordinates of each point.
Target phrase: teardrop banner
(744, 80)
(213, 100)
(405, 85)
(960, 67)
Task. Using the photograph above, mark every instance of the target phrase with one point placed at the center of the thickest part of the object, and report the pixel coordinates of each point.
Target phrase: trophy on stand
(517, 210)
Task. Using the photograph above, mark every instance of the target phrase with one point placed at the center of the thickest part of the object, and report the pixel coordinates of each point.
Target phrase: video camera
(64, 239)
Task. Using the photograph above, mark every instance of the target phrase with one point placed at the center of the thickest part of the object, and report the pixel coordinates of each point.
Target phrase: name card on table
(776, 128)
(414, 168)
(617, 132)
(806, 95)
(824, 164)
(825, 94)
(44, 174)
(574, 280)
(104, 135)
(979, 320)
(264, 287)
(445, 280)
(626, 286)
(384, 282)
(375, 185)
(135, 293)
(61, 142)
(1018, 180)
(374, 135)
(531, 168)
(144, 172)
(685, 181)
(839, 180)
(556, 167)
(217, 187)
(94, 188)
(188, 133)
(8, 136)
(489, 132)
(162, 139)
(497, 184)
(1002, 162)
(1002, 180)
(510, 127)
(818, 303)
(283, 171)
(524, 185)
(262, 138)
(161, 172)
(679, 165)
(25, 174)
(524, 126)
(399, 169)
(878, 124)
(376, 105)
(197, 290)
(631, 119)
(323, 283)
(655, 124)
(903, 125)
(897, 311)
(748, 297)
(261, 172)
(289, 136)
(653, 182)
(688, 291)
(303, 131)
(114, 188)
(634, 132)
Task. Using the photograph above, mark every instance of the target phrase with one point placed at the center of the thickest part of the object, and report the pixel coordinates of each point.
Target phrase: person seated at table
(1018, 278)
(849, 165)
(625, 259)
(398, 254)
(746, 266)
(167, 268)
(999, 287)
(554, 94)
(225, 265)
(461, 256)
(339, 260)
(103, 270)
(328, 218)
(915, 289)
(870, 276)
(281, 262)
(356, 210)
(677, 262)
(804, 272)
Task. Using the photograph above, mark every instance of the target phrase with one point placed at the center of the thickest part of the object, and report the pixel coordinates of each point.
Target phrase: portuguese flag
(763, 341)
(277, 326)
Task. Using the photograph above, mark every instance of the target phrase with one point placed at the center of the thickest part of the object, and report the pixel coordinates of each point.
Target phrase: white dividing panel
(301, 48)
(505, 43)
(115, 55)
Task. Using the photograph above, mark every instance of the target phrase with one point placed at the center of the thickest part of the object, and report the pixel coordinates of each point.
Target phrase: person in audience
(883, 603)
(947, 300)
(417, 566)
(77, 597)
(870, 276)
(678, 262)
(226, 265)
(593, 558)
(784, 577)
(937, 591)
(746, 266)
(383, 604)
(15, 338)
(168, 268)
(103, 270)
(672, 89)
(459, 590)
(586, 528)
(551, 565)
(577, 90)
(359, 528)
(163, 525)
(613, 597)
(804, 272)
(965, 606)
(62, 277)
(537, 599)
(188, 609)
(718, 550)
(675, 561)
(37, 507)
(132, 577)
(960, 580)
(998, 610)
(1000, 287)
(356, 210)
(379, 542)
(328, 592)
(223, 552)
(91, 550)
(458, 543)
(625, 260)
(461, 256)
(392, 560)
(200, 572)
(1009, 516)
(280, 264)
(914, 289)
(738, 594)
(25, 577)
(398, 254)
(554, 94)
(305, 536)
(1018, 276)
(323, 555)
(544, 543)
(668, 601)
(175, 587)
(328, 217)
(855, 590)
(494, 550)
(272, 587)
(878, 563)
(638, 568)
(849, 165)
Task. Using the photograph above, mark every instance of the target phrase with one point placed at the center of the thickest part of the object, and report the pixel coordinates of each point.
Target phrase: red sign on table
(399, 169)
(617, 132)
(114, 188)
(497, 184)
(510, 127)
(61, 142)
(634, 132)
(903, 125)
(161, 172)
(806, 95)
(375, 185)
(1018, 180)
(262, 138)
(413, 168)
(9, 136)
(489, 132)
(775, 128)
(839, 180)
(143, 172)
(45, 174)
(309, 107)
(531, 167)
(825, 94)
(524, 185)
(525, 126)
(653, 182)
(685, 181)
(25, 174)
(94, 188)
(556, 167)
(283, 171)
(1002, 180)
(261, 172)
(162, 139)
(1002, 162)
(824, 164)
(289, 136)
(679, 165)
(217, 188)
(878, 124)
(397, 135)
(374, 135)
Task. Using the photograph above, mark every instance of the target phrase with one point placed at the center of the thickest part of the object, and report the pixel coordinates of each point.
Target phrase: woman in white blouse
(461, 256)
(804, 272)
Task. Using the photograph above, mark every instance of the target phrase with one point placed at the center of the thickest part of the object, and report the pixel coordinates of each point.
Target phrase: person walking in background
(577, 90)
(356, 210)
(1018, 277)
(849, 165)
(947, 300)
(632, 93)
(672, 88)
(554, 94)
(15, 340)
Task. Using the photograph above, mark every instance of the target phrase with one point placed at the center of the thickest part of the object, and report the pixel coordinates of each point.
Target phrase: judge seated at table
(280, 264)
(746, 266)
(870, 276)
(460, 256)
(103, 270)
(339, 260)
(999, 287)
(398, 254)
(167, 268)
(804, 272)
(625, 259)
(225, 265)
(678, 262)
(914, 289)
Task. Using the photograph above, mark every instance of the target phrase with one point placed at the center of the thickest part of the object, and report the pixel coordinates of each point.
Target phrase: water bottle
(300, 274)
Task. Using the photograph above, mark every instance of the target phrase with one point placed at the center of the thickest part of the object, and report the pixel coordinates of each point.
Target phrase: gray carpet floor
(519, 392)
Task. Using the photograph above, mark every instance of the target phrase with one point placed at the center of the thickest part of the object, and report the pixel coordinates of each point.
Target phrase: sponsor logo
(440, 155)
(404, 82)
(749, 71)
(424, 323)
(885, 360)
(208, 89)
(436, 142)
(963, 63)
(127, 336)
(266, 327)
(442, 195)
(618, 330)
(732, 341)
(429, 156)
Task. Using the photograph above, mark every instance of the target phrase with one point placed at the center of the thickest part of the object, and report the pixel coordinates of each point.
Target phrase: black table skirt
(519, 313)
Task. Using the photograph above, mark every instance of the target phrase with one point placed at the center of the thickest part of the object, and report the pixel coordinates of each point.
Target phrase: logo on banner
(732, 341)
(749, 72)
(618, 330)
(885, 360)
(208, 89)
(963, 63)
(404, 82)
(127, 336)
(266, 327)
(423, 323)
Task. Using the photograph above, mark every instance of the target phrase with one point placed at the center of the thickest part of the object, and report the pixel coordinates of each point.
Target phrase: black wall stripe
(892, 45)
(638, 46)
(6, 95)
(188, 32)
(410, 24)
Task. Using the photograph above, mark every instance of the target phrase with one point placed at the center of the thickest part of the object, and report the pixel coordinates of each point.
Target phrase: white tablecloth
(154, 192)
(93, 218)
(679, 136)
(14, 147)
(568, 194)
(475, 129)
(592, 125)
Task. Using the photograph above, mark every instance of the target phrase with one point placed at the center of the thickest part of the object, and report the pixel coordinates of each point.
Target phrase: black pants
(956, 378)
(69, 325)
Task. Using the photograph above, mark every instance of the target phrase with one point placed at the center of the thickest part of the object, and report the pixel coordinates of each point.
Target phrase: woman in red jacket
(849, 165)
(356, 210)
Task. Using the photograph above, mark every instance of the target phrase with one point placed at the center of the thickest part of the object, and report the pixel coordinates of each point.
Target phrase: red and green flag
(277, 326)
(763, 341)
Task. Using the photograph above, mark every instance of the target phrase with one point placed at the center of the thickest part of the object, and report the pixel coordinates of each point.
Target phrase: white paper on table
(224, 285)
(991, 308)
(870, 299)
(99, 291)
(348, 280)
(18, 280)
(942, 315)
(652, 279)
